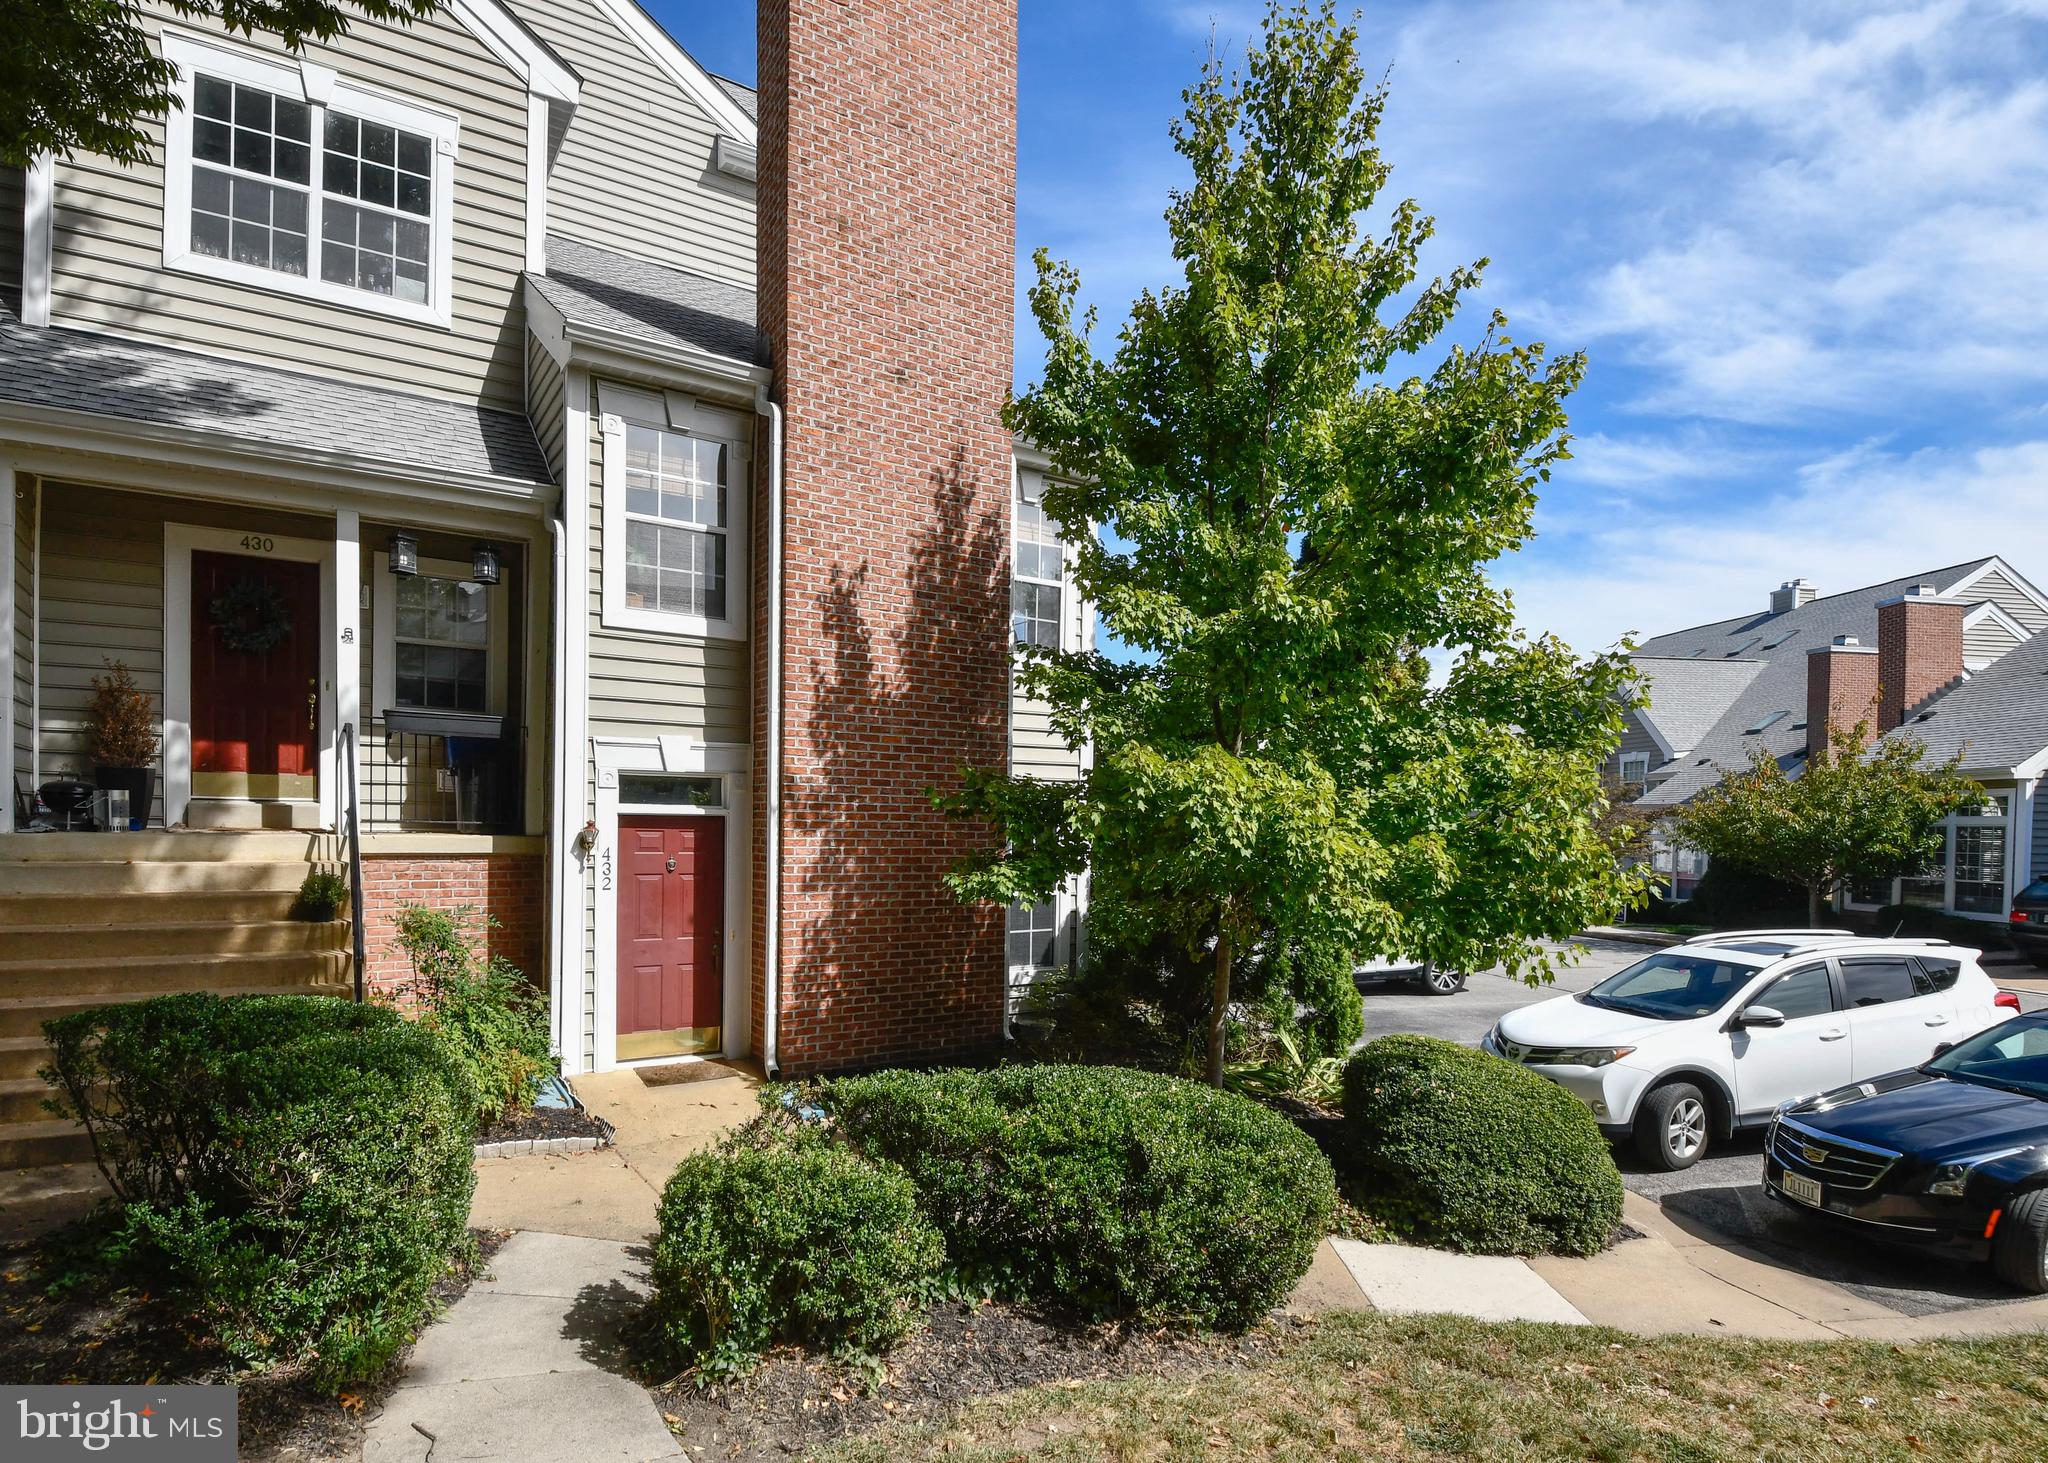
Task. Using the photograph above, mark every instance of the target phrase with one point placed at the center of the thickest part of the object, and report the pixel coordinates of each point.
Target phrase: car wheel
(1440, 982)
(1673, 1127)
(2039, 958)
(2020, 1253)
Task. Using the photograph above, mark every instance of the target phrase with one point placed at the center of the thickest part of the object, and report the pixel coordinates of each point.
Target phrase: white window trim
(2009, 820)
(1069, 901)
(318, 86)
(673, 412)
(384, 626)
(613, 756)
(1636, 759)
(1073, 617)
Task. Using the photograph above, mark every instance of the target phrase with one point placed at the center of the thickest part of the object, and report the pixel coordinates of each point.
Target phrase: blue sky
(1804, 244)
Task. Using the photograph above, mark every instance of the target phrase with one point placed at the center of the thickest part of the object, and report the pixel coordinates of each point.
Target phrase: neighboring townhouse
(1940, 657)
(585, 469)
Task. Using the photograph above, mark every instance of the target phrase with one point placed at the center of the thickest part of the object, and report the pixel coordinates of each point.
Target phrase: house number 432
(604, 869)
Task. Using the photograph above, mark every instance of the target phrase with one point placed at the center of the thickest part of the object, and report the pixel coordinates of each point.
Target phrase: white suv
(1712, 1035)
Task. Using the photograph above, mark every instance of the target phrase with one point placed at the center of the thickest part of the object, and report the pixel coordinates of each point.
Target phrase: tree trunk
(1813, 906)
(1219, 1009)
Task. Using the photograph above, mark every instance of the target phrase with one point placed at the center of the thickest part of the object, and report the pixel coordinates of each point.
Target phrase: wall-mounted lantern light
(405, 555)
(483, 563)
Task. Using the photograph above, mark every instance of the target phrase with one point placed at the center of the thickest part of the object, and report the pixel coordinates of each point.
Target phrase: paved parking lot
(1724, 1191)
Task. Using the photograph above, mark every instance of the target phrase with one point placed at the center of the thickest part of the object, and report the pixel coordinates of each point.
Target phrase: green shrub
(295, 1169)
(487, 1014)
(1455, 1147)
(322, 895)
(788, 1242)
(1107, 1191)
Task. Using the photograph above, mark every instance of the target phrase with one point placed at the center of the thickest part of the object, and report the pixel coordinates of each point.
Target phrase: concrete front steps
(91, 919)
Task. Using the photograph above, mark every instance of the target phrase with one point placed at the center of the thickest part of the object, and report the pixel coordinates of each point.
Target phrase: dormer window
(283, 176)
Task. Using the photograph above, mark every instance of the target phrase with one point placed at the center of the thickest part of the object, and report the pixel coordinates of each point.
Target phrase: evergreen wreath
(250, 617)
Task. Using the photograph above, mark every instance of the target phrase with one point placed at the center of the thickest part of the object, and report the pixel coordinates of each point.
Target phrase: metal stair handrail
(355, 852)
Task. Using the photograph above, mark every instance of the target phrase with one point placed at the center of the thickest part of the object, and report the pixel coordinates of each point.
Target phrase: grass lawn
(1430, 1387)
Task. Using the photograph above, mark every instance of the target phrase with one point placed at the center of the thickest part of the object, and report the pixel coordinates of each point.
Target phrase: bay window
(279, 174)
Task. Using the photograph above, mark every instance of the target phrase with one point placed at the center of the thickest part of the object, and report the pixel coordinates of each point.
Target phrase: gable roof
(507, 37)
(1995, 721)
(1688, 696)
(650, 302)
(748, 98)
(1779, 642)
(47, 372)
(665, 51)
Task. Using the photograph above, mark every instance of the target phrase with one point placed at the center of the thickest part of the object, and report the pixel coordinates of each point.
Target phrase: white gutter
(771, 984)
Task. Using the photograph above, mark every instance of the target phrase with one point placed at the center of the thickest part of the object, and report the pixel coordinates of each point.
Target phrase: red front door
(671, 913)
(255, 677)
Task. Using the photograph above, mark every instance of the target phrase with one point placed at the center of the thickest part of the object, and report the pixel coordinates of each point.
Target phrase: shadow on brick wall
(909, 681)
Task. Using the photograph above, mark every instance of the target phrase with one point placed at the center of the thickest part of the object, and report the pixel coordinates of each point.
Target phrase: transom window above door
(674, 513)
(283, 176)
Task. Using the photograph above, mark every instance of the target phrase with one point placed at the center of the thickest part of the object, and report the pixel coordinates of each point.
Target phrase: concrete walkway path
(528, 1365)
(1409, 1280)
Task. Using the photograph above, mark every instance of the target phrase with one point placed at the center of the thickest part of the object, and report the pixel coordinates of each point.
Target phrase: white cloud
(1855, 517)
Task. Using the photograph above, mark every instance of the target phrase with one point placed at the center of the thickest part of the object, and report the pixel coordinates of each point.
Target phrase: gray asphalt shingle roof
(258, 406)
(1780, 643)
(1996, 719)
(746, 96)
(664, 306)
(1688, 696)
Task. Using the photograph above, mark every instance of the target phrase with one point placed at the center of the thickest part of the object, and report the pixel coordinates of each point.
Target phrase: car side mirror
(1943, 1048)
(1761, 1016)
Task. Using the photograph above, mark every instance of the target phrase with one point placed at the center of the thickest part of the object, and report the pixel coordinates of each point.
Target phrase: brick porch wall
(512, 887)
(887, 234)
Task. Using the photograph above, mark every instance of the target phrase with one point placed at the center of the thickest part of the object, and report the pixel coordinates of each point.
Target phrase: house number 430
(257, 544)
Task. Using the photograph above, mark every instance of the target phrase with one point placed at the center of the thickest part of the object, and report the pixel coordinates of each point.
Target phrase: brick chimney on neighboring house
(1841, 689)
(887, 247)
(1919, 650)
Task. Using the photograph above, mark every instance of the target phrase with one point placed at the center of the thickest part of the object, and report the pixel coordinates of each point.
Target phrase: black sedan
(1951, 1156)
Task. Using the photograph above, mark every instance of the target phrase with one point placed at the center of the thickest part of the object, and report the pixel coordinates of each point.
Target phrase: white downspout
(558, 854)
(771, 983)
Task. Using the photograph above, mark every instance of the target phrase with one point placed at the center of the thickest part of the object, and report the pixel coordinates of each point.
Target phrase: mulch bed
(98, 1332)
(546, 1122)
(796, 1402)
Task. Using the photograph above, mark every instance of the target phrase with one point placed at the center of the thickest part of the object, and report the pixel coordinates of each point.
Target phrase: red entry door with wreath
(255, 677)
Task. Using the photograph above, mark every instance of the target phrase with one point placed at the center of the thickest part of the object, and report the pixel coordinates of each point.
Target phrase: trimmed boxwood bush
(1107, 1191)
(791, 1241)
(1455, 1147)
(295, 1169)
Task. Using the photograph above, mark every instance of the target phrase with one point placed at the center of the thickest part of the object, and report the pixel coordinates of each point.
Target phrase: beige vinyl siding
(645, 684)
(103, 597)
(1036, 750)
(13, 203)
(24, 626)
(632, 167)
(1985, 642)
(108, 265)
(544, 406)
(2001, 591)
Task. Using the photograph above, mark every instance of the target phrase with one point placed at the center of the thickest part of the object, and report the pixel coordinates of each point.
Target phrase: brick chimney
(1919, 650)
(1841, 689)
(1791, 595)
(887, 237)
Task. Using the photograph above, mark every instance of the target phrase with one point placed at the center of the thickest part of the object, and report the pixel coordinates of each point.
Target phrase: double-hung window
(1635, 772)
(1037, 584)
(281, 175)
(675, 492)
(1036, 943)
(439, 642)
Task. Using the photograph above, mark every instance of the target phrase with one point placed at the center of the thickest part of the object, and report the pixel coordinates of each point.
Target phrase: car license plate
(1806, 1191)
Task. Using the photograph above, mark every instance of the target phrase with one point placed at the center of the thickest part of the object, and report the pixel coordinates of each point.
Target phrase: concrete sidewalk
(613, 1192)
(528, 1365)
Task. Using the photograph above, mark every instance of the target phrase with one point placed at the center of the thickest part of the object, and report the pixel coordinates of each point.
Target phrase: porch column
(9, 484)
(348, 657)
